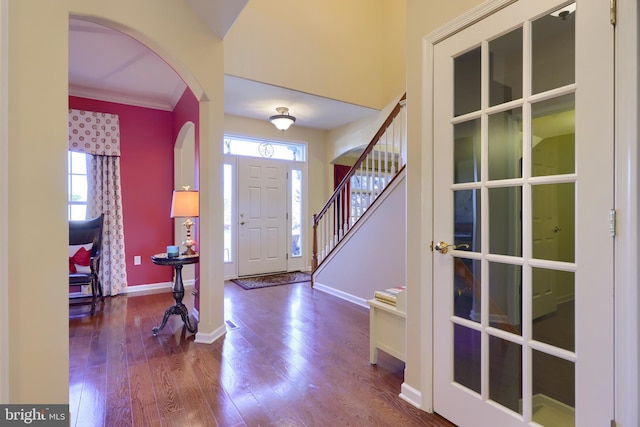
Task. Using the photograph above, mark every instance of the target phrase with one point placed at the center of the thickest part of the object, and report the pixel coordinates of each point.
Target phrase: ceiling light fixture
(282, 120)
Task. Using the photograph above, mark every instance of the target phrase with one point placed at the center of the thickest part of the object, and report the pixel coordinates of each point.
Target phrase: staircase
(373, 172)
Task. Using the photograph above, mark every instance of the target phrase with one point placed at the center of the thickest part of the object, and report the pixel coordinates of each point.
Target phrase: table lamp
(185, 203)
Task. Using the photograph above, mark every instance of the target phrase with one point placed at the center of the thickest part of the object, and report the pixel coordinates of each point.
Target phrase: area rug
(256, 282)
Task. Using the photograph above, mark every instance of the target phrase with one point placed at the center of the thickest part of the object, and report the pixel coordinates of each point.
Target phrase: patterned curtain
(98, 134)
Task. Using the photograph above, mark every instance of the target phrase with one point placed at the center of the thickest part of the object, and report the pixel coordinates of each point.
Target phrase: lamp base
(189, 244)
(189, 252)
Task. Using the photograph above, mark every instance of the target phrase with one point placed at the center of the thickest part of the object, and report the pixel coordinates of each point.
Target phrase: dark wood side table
(178, 288)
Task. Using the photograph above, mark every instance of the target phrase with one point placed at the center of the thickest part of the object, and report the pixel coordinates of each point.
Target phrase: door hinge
(287, 256)
(612, 12)
(612, 222)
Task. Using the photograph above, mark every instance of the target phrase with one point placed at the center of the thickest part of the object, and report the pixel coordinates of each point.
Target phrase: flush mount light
(282, 120)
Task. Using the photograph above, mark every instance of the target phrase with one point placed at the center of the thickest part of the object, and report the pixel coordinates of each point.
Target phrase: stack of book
(391, 295)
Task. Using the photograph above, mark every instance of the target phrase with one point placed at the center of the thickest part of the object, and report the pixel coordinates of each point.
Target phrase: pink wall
(147, 139)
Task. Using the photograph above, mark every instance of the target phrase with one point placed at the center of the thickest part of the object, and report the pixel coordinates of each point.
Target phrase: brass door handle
(443, 247)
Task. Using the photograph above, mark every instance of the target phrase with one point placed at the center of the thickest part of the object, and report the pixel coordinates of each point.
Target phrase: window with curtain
(97, 136)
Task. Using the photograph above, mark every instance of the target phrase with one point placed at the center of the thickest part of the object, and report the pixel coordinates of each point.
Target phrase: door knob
(443, 247)
(242, 223)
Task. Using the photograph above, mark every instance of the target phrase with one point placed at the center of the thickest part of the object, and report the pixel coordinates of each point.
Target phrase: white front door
(262, 216)
(523, 187)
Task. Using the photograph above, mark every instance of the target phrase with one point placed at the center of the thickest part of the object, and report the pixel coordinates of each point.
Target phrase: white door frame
(231, 268)
(627, 299)
(293, 264)
(4, 206)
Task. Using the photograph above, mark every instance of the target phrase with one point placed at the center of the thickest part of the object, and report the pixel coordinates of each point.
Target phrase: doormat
(257, 282)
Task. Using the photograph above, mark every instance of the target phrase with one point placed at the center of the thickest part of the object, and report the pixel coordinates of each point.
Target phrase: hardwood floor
(298, 357)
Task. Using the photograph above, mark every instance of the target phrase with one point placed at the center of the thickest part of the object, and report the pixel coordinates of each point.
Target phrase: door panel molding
(262, 211)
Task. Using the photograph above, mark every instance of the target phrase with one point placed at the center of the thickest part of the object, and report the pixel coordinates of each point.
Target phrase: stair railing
(373, 171)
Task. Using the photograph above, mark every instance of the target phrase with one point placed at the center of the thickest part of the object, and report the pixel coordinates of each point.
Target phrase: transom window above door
(242, 146)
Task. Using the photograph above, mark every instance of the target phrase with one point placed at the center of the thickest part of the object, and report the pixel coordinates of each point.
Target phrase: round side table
(178, 289)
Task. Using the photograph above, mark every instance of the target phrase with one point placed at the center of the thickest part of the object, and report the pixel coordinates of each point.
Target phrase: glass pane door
(509, 185)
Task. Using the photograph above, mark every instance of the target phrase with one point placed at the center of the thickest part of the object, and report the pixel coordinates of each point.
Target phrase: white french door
(523, 187)
(262, 216)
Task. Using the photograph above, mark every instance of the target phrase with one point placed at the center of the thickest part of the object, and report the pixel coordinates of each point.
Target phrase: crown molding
(135, 100)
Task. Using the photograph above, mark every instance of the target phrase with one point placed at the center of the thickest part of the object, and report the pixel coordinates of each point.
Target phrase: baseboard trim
(411, 395)
(210, 338)
(342, 295)
(565, 298)
(162, 286)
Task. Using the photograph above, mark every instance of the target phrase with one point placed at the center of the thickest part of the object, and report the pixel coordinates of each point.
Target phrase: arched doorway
(184, 160)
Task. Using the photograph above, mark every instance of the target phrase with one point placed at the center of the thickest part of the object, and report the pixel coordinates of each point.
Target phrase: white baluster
(339, 207)
(403, 139)
(345, 210)
(371, 180)
(325, 235)
(386, 153)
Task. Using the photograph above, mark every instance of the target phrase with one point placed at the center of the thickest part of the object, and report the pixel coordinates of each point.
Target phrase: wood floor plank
(193, 399)
(298, 357)
(134, 343)
(207, 370)
(167, 396)
(118, 395)
(144, 409)
(92, 408)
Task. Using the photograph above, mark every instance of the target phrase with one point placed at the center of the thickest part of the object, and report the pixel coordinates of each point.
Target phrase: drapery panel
(98, 134)
(105, 197)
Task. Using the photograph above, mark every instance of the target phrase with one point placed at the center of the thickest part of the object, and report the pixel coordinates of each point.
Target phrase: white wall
(359, 133)
(372, 256)
(422, 19)
(351, 51)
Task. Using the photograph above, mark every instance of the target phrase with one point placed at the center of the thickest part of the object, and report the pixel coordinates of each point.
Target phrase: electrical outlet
(137, 260)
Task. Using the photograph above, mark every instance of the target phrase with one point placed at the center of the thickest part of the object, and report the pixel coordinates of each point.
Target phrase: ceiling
(108, 65)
